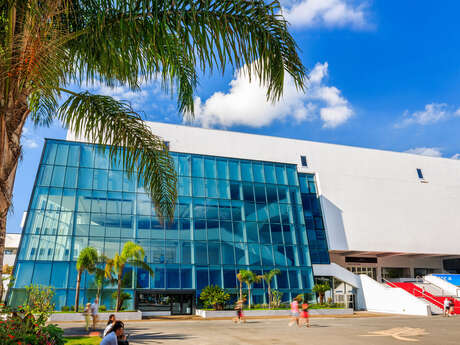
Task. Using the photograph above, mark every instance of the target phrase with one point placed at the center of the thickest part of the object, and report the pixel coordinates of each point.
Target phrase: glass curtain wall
(231, 214)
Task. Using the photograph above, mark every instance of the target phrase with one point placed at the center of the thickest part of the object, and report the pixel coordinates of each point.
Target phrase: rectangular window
(303, 160)
(420, 174)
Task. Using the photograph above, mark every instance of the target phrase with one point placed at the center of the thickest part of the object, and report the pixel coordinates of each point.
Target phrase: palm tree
(48, 45)
(268, 276)
(239, 276)
(321, 289)
(132, 254)
(87, 260)
(249, 278)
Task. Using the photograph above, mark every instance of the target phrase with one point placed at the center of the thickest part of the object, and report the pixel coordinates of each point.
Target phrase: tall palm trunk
(241, 290)
(119, 291)
(77, 292)
(13, 113)
(269, 296)
(249, 295)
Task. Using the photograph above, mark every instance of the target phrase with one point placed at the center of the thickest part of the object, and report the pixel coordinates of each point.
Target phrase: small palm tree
(132, 254)
(86, 261)
(321, 290)
(268, 276)
(249, 278)
(239, 276)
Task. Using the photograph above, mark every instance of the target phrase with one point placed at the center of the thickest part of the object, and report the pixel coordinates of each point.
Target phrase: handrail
(390, 283)
(427, 297)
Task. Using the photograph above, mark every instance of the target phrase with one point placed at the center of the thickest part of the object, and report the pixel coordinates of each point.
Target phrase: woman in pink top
(294, 313)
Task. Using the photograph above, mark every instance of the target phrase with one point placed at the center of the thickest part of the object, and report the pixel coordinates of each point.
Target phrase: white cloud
(455, 156)
(329, 13)
(426, 151)
(246, 103)
(29, 139)
(432, 113)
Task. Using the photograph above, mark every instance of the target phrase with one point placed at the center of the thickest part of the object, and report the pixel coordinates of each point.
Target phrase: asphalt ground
(435, 330)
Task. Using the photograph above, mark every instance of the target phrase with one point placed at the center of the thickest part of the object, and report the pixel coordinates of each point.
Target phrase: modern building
(313, 210)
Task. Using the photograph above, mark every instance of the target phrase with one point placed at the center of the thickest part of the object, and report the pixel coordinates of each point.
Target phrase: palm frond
(110, 122)
(157, 38)
(141, 264)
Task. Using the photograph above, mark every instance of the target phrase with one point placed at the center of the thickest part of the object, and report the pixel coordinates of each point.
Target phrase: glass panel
(222, 169)
(158, 277)
(277, 236)
(100, 179)
(46, 171)
(101, 158)
(24, 273)
(157, 252)
(61, 154)
(186, 278)
(50, 153)
(87, 156)
(252, 232)
(291, 175)
(85, 178)
(235, 191)
(267, 254)
(201, 255)
(79, 243)
(280, 258)
(60, 274)
(254, 254)
(199, 232)
(214, 253)
(213, 230)
(225, 208)
(211, 188)
(230, 279)
(115, 181)
(46, 248)
(228, 257)
(184, 165)
(58, 176)
(201, 277)
(62, 250)
(281, 174)
(40, 198)
(54, 199)
(184, 229)
(210, 167)
(264, 233)
(74, 155)
(234, 170)
(223, 188)
(142, 279)
(240, 254)
(250, 211)
(172, 252)
(215, 277)
(172, 278)
(269, 172)
(258, 171)
(186, 253)
(259, 191)
(198, 187)
(184, 186)
(248, 192)
(246, 171)
(197, 167)
(42, 274)
(71, 178)
(144, 204)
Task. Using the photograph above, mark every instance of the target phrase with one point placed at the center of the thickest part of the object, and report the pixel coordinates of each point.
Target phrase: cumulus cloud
(455, 156)
(328, 13)
(426, 151)
(432, 113)
(245, 103)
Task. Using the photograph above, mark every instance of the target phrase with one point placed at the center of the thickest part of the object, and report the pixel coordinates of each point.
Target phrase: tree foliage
(321, 289)
(215, 296)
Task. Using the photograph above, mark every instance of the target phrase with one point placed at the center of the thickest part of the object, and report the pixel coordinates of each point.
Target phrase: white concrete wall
(383, 299)
(372, 200)
(447, 288)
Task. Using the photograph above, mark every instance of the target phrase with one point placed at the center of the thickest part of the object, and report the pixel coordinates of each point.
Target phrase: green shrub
(102, 308)
(215, 296)
(276, 298)
(65, 308)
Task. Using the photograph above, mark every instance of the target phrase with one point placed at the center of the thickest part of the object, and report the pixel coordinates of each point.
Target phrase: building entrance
(176, 302)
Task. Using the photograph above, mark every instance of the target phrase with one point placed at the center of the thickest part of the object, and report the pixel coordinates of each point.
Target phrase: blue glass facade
(231, 214)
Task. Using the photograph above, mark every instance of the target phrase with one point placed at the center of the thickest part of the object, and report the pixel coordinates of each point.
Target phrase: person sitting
(109, 325)
(115, 333)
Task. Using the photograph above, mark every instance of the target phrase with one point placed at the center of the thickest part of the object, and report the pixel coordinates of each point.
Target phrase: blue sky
(384, 74)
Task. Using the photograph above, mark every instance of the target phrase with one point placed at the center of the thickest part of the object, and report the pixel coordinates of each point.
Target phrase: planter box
(230, 313)
(123, 316)
(155, 313)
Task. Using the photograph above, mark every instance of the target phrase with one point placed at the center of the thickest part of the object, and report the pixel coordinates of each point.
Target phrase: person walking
(239, 311)
(446, 307)
(294, 312)
(95, 312)
(87, 315)
(305, 317)
(451, 307)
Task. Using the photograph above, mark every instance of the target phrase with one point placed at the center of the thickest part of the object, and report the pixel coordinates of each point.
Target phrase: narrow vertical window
(420, 174)
(303, 160)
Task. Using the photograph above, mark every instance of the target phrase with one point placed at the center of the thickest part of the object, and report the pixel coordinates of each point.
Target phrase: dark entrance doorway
(177, 302)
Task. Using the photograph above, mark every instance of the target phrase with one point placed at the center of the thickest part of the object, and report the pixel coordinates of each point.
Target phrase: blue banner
(451, 278)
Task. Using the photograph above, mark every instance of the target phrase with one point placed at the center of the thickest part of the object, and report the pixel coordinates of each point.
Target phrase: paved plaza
(323, 331)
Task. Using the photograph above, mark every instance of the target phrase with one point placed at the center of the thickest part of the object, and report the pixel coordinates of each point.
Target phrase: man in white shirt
(446, 306)
(94, 312)
(117, 331)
